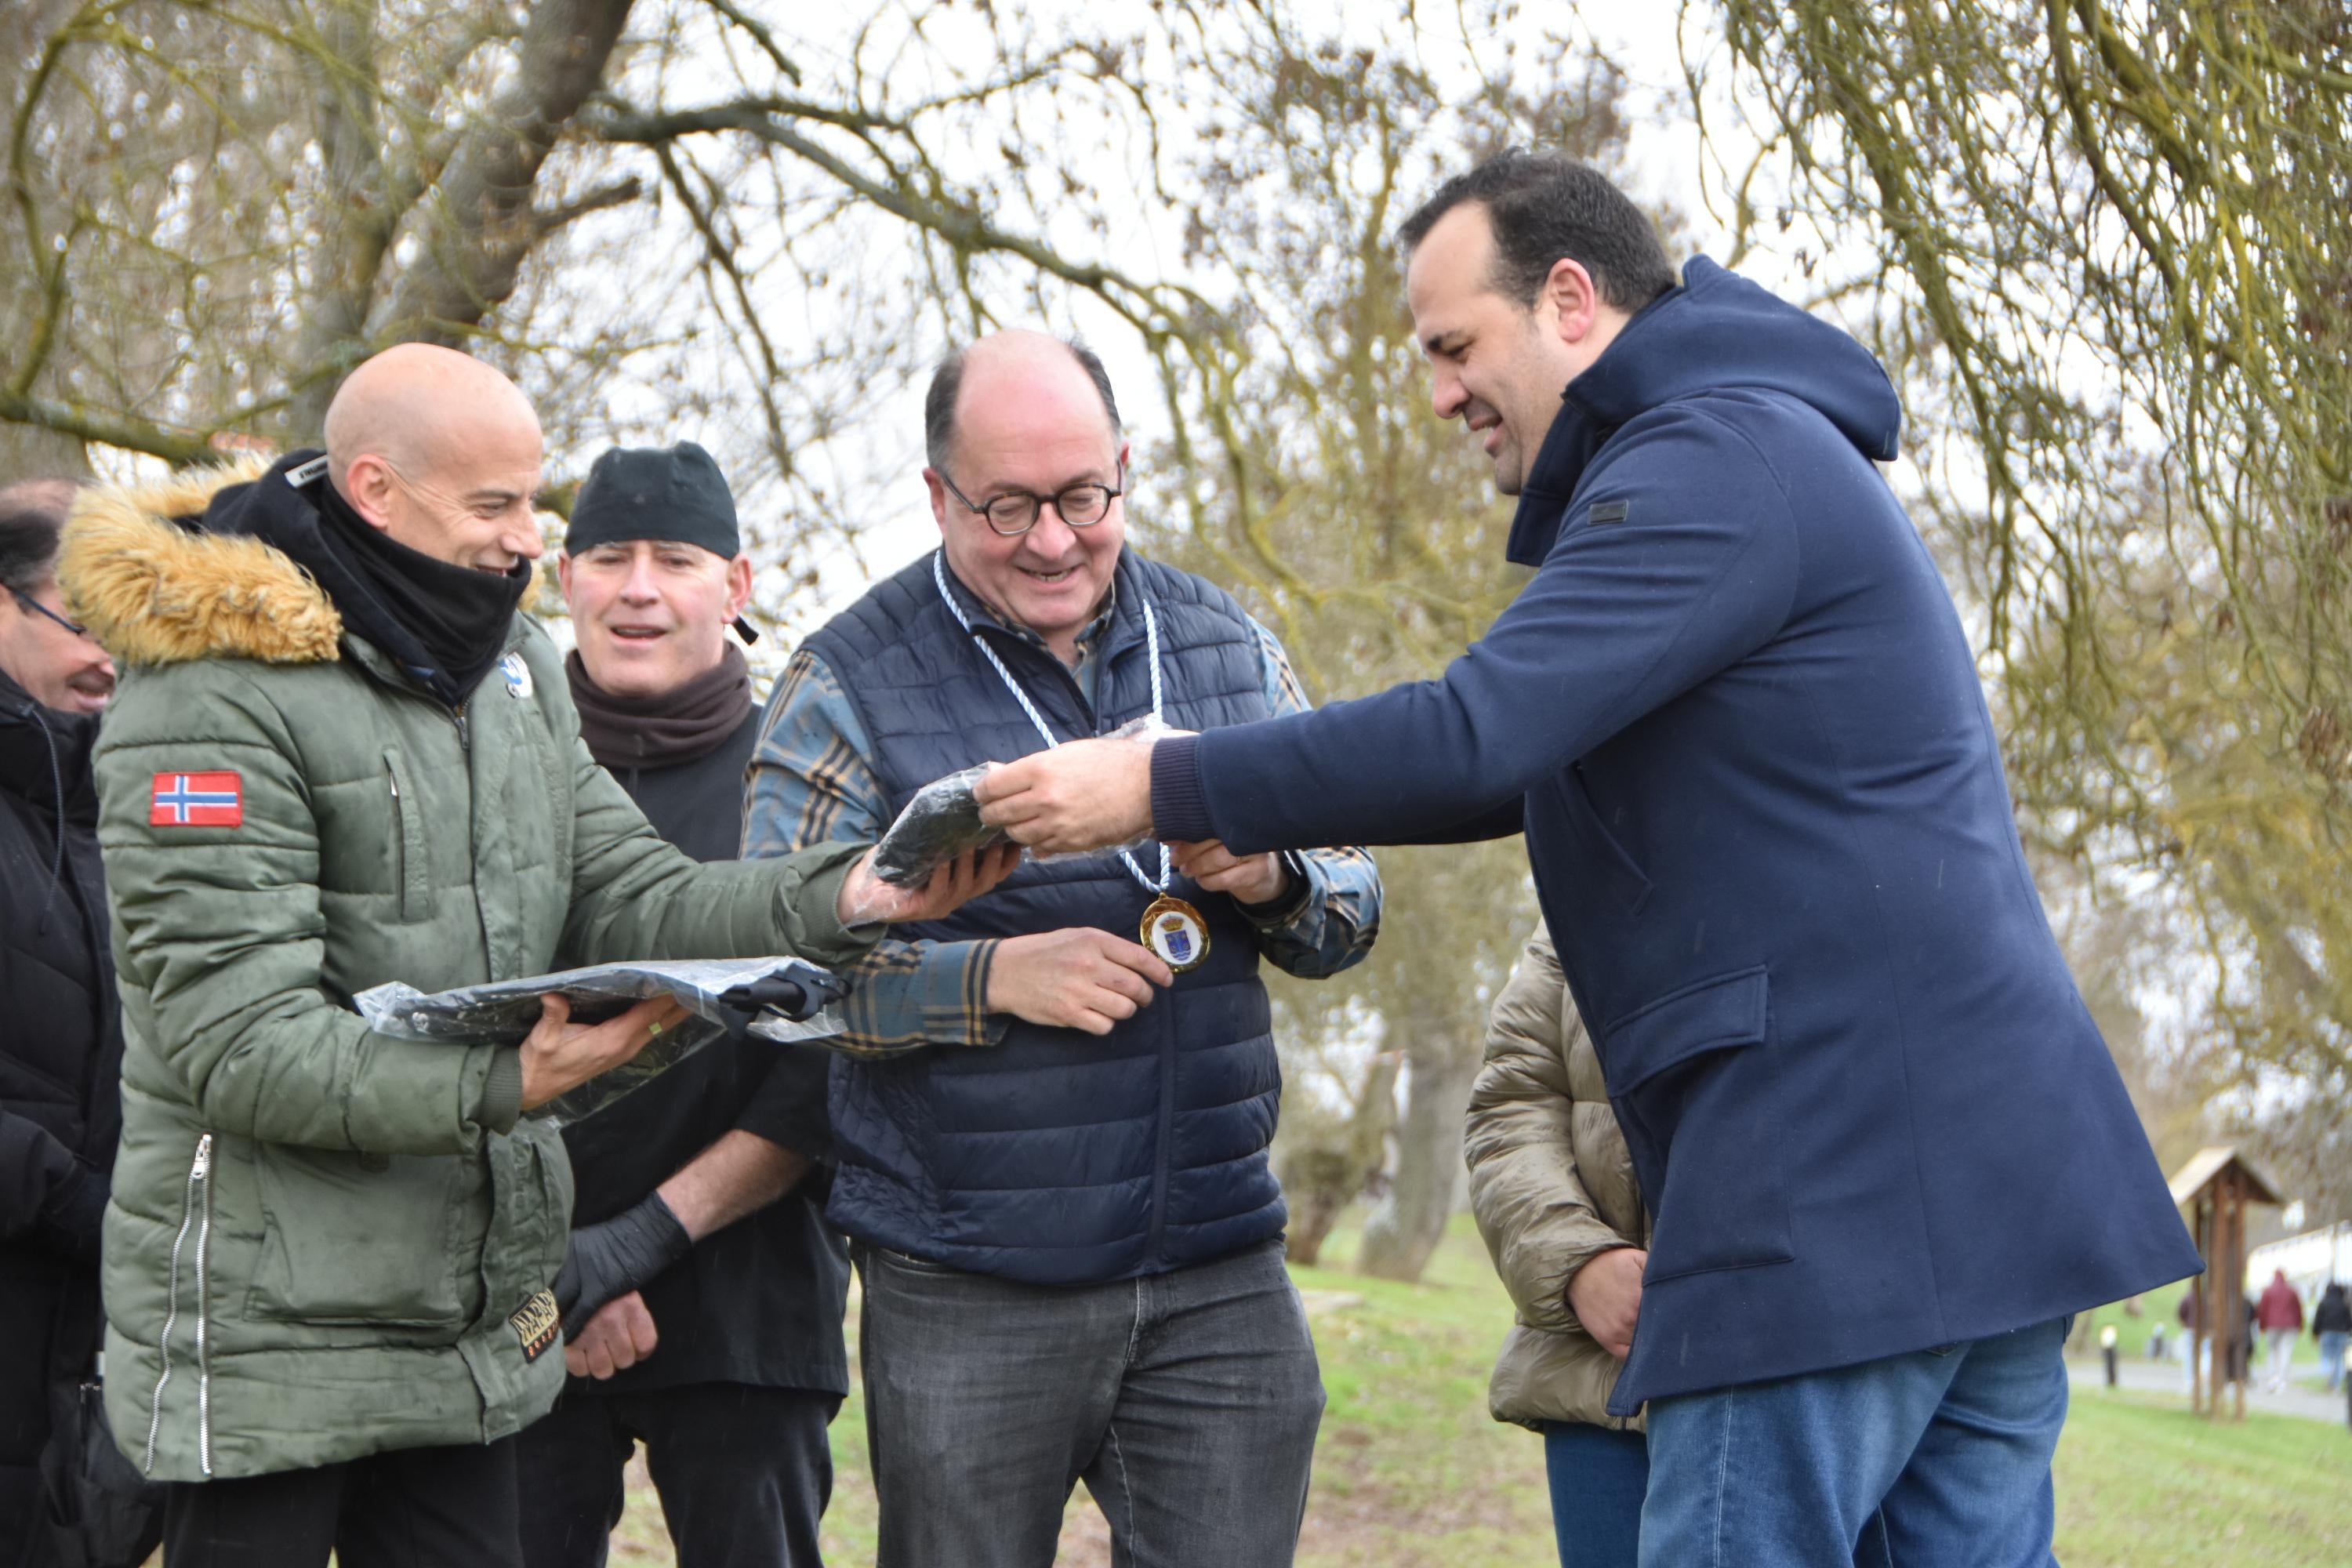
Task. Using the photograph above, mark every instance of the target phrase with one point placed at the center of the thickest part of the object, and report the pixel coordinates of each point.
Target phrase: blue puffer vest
(1057, 1157)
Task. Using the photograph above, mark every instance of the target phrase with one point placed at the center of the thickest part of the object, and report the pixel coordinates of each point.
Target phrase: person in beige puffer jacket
(1556, 1199)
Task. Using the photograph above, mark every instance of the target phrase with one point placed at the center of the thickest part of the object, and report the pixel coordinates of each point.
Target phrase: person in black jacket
(61, 1052)
(703, 1297)
(2331, 1325)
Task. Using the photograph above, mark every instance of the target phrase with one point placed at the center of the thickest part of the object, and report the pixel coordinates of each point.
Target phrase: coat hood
(154, 591)
(1715, 333)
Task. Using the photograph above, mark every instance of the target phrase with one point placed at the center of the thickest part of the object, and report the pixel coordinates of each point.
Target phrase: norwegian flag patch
(197, 800)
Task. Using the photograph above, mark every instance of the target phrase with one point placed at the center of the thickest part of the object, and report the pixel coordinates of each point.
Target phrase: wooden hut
(2216, 1186)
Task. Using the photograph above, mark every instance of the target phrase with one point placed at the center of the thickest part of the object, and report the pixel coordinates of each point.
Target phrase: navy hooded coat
(1736, 715)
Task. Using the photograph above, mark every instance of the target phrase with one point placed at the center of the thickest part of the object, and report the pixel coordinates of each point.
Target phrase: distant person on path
(707, 1322)
(2280, 1314)
(2331, 1323)
(2190, 1308)
(1553, 1188)
(1738, 719)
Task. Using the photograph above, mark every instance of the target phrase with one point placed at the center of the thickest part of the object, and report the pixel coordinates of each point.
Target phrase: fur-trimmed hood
(153, 591)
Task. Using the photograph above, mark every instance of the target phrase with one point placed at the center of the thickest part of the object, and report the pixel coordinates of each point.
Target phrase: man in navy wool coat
(1737, 718)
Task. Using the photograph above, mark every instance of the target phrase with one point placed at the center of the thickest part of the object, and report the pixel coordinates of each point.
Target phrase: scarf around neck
(459, 617)
(683, 724)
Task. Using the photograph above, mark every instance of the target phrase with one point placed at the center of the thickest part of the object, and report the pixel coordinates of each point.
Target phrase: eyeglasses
(38, 608)
(1017, 511)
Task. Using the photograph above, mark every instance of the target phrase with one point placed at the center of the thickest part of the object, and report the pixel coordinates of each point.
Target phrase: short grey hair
(947, 384)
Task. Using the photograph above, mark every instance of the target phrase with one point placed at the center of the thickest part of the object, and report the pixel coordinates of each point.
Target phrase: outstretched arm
(1621, 619)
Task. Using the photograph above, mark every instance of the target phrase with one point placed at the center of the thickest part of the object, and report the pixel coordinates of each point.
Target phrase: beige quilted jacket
(1551, 1185)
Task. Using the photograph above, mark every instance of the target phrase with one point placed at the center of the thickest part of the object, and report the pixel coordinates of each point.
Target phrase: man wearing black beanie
(704, 1293)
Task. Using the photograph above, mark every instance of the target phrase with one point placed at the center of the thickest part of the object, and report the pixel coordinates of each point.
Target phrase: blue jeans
(1935, 1459)
(2331, 1358)
(1598, 1475)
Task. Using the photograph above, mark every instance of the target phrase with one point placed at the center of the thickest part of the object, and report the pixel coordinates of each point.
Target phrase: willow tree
(2110, 255)
(661, 215)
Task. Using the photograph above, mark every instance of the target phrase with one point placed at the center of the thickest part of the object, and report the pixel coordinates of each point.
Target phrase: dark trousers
(1598, 1477)
(1187, 1402)
(744, 1474)
(411, 1508)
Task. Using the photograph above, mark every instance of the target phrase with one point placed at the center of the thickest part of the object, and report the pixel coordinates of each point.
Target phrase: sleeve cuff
(1180, 809)
(502, 1090)
(810, 915)
(1285, 909)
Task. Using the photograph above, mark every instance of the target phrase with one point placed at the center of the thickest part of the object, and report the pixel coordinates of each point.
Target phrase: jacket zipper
(199, 1171)
(204, 1311)
(457, 717)
(400, 832)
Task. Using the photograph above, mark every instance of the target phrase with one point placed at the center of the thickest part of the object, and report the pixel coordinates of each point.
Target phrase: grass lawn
(1411, 1473)
(2144, 1483)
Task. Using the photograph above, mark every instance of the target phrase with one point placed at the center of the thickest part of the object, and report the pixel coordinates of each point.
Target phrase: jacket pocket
(539, 1213)
(1603, 854)
(1691, 1075)
(410, 865)
(351, 1239)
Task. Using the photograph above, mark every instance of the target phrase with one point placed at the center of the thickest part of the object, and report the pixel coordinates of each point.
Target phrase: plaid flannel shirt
(812, 780)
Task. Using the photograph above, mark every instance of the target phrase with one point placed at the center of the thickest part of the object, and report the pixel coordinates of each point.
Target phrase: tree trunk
(1405, 1229)
(1324, 1176)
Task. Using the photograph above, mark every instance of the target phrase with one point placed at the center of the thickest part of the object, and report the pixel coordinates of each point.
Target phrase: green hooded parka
(325, 1243)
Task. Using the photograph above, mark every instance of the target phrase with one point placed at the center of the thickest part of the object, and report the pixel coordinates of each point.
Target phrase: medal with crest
(1173, 930)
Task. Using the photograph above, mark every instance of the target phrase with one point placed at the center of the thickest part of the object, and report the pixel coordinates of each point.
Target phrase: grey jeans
(1187, 1402)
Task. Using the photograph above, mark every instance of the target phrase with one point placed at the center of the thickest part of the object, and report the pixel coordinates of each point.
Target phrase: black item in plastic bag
(783, 1000)
(940, 822)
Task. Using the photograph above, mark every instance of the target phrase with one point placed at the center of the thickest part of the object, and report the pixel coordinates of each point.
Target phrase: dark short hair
(947, 384)
(31, 513)
(1544, 207)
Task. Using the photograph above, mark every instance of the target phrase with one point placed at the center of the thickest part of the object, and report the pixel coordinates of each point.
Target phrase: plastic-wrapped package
(939, 823)
(942, 821)
(783, 1000)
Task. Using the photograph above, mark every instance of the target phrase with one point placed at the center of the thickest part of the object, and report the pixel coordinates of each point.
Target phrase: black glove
(796, 998)
(75, 1211)
(611, 1260)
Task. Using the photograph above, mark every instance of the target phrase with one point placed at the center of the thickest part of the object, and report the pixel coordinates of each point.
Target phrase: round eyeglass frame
(1037, 503)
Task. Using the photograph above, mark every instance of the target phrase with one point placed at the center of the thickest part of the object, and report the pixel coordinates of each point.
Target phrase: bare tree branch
(482, 224)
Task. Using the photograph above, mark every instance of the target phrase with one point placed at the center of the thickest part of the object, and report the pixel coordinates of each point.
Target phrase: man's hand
(1078, 795)
(610, 1258)
(1081, 978)
(1606, 1296)
(866, 898)
(558, 1054)
(1252, 878)
(620, 1335)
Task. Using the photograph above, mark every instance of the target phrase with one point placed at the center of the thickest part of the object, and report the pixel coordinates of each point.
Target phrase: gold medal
(1174, 931)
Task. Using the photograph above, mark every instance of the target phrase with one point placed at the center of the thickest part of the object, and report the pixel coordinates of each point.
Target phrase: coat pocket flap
(1705, 1016)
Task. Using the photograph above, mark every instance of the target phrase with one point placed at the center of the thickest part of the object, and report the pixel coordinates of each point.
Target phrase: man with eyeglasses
(1052, 1152)
(61, 1053)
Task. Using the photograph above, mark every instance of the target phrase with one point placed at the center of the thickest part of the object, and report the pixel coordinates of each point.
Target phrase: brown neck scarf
(684, 725)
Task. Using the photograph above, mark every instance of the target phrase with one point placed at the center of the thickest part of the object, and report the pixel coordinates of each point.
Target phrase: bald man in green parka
(340, 757)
